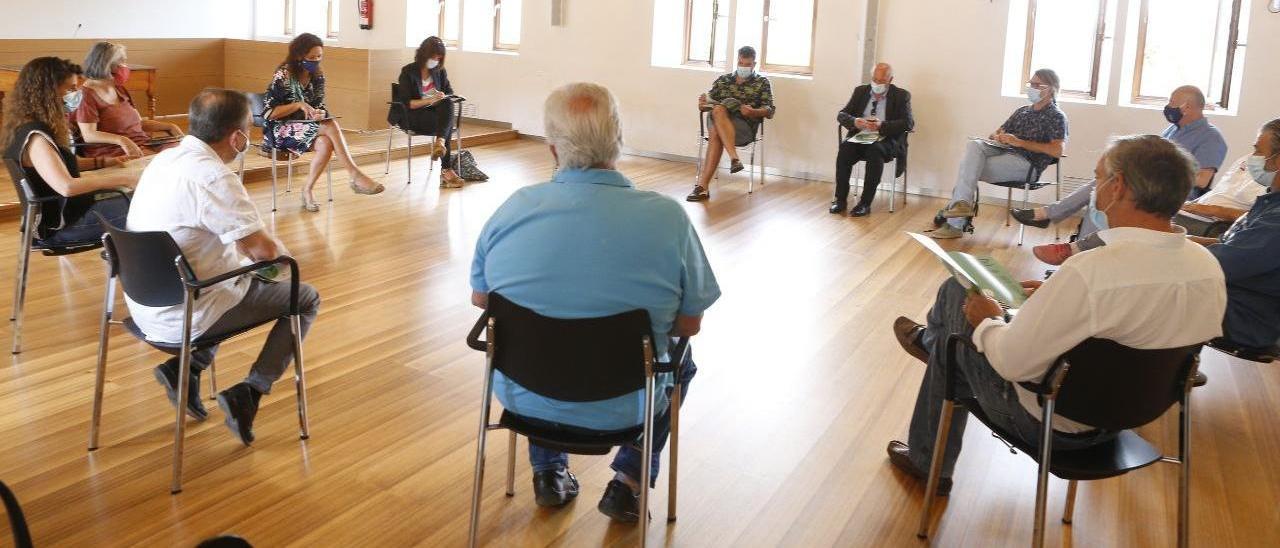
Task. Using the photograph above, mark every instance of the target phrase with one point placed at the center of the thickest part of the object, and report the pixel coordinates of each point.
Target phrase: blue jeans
(629, 457)
(977, 380)
(87, 228)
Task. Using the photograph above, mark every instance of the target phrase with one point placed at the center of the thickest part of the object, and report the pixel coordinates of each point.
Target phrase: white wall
(608, 42)
(31, 19)
(951, 58)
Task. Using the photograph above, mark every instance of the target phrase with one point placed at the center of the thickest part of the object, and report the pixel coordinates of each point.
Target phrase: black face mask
(1173, 114)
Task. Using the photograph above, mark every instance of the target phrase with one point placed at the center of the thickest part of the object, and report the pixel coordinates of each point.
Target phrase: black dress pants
(852, 153)
(435, 120)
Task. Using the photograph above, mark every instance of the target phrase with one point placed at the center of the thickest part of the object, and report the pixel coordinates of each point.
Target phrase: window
(506, 25)
(1171, 53)
(450, 22)
(319, 17)
(706, 38)
(1067, 36)
(787, 38)
(421, 20)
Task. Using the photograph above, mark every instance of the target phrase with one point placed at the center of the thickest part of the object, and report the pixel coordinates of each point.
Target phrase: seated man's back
(588, 244)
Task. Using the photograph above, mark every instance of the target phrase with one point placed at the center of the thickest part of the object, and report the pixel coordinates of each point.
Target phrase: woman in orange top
(106, 117)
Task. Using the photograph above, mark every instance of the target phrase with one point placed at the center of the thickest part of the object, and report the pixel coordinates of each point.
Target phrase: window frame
(688, 35)
(440, 26)
(801, 70)
(1099, 43)
(1222, 102)
(498, 45)
(331, 22)
(290, 10)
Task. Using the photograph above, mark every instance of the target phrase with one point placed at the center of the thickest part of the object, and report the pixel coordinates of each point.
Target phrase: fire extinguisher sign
(366, 13)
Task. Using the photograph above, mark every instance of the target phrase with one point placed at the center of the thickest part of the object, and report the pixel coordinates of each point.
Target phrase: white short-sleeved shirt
(190, 193)
(1237, 191)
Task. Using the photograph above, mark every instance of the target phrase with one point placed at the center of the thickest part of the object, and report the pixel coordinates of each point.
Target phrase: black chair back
(395, 109)
(17, 521)
(577, 360)
(1115, 387)
(144, 263)
(18, 176)
(258, 106)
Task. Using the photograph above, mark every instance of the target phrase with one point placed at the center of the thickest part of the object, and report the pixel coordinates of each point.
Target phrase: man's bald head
(882, 74)
(1190, 96)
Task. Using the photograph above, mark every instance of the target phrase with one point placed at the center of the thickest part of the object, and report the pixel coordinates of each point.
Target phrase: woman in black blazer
(424, 83)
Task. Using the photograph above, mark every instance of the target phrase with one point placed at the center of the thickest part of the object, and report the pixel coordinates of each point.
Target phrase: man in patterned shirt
(737, 102)
(1032, 137)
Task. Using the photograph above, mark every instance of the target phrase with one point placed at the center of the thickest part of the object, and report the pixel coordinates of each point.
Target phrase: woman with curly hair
(35, 134)
(297, 120)
(424, 84)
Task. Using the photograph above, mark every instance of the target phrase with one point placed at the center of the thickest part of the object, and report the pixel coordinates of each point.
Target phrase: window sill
(1066, 99)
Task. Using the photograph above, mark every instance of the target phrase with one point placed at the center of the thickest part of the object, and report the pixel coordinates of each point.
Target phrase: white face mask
(240, 152)
(71, 100)
(1257, 166)
(1034, 95)
(744, 72)
(879, 89)
(432, 64)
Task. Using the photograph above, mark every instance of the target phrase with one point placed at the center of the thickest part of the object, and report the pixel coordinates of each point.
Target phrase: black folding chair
(398, 115)
(1109, 386)
(757, 142)
(562, 359)
(258, 106)
(29, 241)
(1232, 348)
(17, 521)
(900, 166)
(153, 272)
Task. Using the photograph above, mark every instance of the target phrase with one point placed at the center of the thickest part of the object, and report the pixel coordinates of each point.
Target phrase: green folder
(982, 274)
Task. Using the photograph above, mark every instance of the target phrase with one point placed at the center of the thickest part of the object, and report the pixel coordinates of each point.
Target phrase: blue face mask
(1098, 218)
(1257, 166)
(71, 100)
(744, 72)
(310, 66)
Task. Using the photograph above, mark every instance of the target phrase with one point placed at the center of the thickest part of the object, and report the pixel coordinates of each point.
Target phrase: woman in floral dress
(297, 120)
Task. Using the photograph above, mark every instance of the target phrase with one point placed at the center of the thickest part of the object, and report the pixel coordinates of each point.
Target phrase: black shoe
(698, 194)
(836, 208)
(1028, 217)
(240, 404)
(554, 488)
(167, 375)
(898, 457)
(860, 210)
(736, 166)
(620, 503)
(1199, 380)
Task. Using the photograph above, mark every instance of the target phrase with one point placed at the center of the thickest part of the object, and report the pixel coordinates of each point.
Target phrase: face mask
(1173, 114)
(310, 66)
(744, 72)
(1034, 95)
(121, 74)
(1099, 218)
(879, 89)
(1258, 170)
(71, 100)
(240, 152)
(432, 64)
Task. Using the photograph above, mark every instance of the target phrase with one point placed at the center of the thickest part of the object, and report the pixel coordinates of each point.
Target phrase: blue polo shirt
(1204, 142)
(588, 244)
(1250, 257)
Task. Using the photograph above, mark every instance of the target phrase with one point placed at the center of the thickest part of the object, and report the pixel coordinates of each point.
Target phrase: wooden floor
(800, 386)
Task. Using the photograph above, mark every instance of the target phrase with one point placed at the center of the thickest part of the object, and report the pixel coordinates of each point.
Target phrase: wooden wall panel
(184, 66)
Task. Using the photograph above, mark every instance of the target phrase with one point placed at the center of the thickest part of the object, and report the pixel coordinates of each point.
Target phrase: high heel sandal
(309, 206)
(377, 189)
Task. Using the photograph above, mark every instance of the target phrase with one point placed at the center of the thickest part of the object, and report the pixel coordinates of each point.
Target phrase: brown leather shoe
(908, 333)
(898, 457)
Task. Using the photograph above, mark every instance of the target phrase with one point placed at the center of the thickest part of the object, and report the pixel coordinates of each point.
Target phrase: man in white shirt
(189, 192)
(1148, 288)
(1228, 200)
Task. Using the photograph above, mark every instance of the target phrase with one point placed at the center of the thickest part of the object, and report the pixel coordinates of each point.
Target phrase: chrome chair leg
(1069, 508)
(1026, 197)
(391, 132)
(299, 378)
(673, 457)
(408, 159)
(646, 453)
(751, 172)
(1184, 468)
(273, 179)
(478, 484)
(184, 374)
(288, 181)
(511, 463)
(1042, 480)
(24, 268)
(17, 267)
(100, 372)
(328, 172)
(213, 381)
(1008, 203)
(935, 467)
(893, 185)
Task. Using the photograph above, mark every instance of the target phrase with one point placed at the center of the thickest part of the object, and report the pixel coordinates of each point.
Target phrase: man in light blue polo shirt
(1188, 128)
(588, 244)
